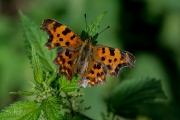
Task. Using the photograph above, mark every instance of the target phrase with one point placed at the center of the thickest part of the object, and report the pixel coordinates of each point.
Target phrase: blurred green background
(150, 29)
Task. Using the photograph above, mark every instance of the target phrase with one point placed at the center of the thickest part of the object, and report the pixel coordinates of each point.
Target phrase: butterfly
(76, 56)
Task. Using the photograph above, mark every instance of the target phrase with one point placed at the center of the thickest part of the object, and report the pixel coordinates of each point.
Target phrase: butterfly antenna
(104, 29)
(85, 20)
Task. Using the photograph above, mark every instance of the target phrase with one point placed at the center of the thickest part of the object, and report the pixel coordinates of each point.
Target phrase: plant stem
(71, 108)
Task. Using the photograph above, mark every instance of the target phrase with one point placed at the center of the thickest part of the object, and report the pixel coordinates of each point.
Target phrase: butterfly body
(85, 49)
(92, 62)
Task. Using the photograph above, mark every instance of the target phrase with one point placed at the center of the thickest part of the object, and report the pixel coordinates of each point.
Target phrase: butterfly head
(89, 40)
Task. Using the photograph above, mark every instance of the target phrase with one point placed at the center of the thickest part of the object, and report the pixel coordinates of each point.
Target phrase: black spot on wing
(58, 35)
(102, 58)
(103, 50)
(66, 31)
(110, 60)
(98, 75)
(98, 66)
(67, 43)
(94, 66)
(56, 25)
(92, 72)
(67, 53)
(111, 50)
(60, 39)
(115, 59)
(70, 63)
(73, 37)
(109, 67)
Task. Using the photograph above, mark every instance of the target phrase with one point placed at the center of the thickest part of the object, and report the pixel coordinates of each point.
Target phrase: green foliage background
(148, 29)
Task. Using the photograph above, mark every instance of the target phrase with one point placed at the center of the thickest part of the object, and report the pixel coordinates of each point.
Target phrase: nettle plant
(56, 98)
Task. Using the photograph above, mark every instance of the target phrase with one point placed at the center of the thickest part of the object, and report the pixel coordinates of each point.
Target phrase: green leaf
(130, 93)
(68, 86)
(93, 28)
(51, 78)
(37, 71)
(34, 36)
(27, 93)
(24, 110)
(51, 108)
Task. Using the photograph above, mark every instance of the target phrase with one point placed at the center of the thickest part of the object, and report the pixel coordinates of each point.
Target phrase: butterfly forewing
(60, 35)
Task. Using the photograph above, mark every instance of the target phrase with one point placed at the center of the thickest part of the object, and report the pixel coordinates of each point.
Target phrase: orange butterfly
(81, 57)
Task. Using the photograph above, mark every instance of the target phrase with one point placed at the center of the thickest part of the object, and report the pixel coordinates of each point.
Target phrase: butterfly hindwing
(66, 59)
(94, 75)
(113, 58)
(60, 35)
